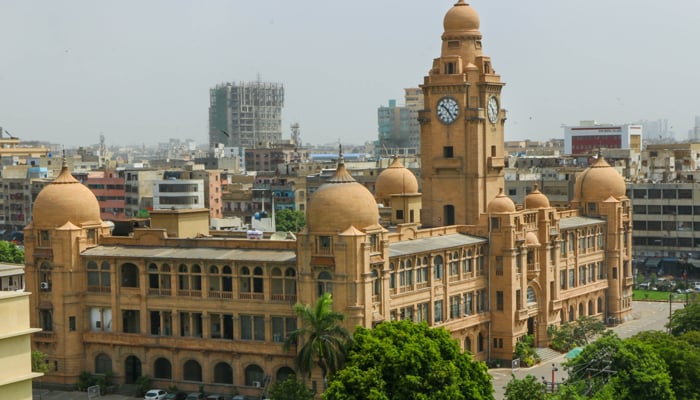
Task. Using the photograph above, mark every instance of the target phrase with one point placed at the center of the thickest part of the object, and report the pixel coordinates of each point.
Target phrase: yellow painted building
(15, 347)
(188, 309)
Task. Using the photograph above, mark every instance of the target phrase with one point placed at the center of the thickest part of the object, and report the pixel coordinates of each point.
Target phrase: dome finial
(341, 160)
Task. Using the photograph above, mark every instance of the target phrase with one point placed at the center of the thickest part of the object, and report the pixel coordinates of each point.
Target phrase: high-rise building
(589, 137)
(245, 114)
(399, 130)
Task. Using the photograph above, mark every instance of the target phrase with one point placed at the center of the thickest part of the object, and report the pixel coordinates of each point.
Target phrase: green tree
(528, 388)
(576, 333)
(620, 369)
(526, 352)
(682, 359)
(289, 220)
(290, 389)
(321, 340)
(10, 253)
(401, 360)
(39, 362)
(685, 319)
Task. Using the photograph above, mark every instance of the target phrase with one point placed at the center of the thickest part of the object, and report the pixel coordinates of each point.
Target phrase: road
(646, 316)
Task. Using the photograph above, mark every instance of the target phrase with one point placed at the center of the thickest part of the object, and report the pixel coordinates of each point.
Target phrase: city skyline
(73, 71)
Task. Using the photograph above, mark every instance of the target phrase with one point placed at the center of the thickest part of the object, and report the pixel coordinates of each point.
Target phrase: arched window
(438, 268)
(223, 373)
(214, 281)
(468, 344)
(130, 275)
(162, 369)
(392, 277)
(324, 284)
(98, 279)
(103, 364)
(531, 298)
(192, 371)
(581, 310)
(227, 281)
(253, 374)
(258, 280)
(571, 314)
(284, 373)
(480, 343)
(562, 318)
(196, 278)
(591, 310)
(290, 284)
(183, 278)
(245, 280)
(376, 284)
(277, 284)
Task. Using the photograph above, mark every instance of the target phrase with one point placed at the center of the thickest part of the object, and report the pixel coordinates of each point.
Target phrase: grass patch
(655, 295)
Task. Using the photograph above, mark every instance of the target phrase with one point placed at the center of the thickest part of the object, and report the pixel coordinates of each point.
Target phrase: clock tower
(462, 121)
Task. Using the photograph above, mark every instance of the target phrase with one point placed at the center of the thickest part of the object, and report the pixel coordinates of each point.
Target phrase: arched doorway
(132, 369)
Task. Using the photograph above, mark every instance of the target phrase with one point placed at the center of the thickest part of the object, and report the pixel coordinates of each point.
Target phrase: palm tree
(322, 339)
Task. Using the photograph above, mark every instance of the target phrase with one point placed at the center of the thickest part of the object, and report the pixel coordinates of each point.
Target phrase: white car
(155, 394)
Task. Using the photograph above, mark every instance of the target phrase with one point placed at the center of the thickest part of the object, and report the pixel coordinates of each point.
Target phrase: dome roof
(396, 179)
(65, 200)
(536, 199)
(341, 202)
(461, 17)
(501, 204)
(598, 182)
(531, 239)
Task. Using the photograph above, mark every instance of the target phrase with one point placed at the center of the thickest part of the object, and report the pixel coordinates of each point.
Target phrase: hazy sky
(140, 71)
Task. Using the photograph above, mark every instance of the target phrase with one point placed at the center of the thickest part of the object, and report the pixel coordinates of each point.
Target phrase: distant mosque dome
(396, 179)
(65, 200)
(598, 182)
(501, 204)
(536, 199)
(341, 202)
(461, 17)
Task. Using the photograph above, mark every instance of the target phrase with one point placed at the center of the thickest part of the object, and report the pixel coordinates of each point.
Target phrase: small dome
(341, 202)
(598, 182)
(461, 17)
(65, 200)
(501, 204)
(531, 239)
(536, 199)
(396, 179)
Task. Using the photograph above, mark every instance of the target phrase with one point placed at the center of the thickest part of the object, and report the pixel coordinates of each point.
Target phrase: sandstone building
(188, 309)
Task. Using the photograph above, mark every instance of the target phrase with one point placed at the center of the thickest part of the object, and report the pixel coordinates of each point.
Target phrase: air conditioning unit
(256, 384)
(44, 285)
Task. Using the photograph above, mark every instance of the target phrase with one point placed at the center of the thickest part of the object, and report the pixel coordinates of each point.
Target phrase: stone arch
(192, 371)
(223, 373)
(162, 368)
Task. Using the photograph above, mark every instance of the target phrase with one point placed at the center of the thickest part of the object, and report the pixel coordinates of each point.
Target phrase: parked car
(195, 396)
(155, 394)
(176, 396)
(215, 397)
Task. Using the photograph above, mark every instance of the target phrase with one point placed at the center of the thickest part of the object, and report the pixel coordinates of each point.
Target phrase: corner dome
(536, 199)
(341, 202)
(501, 204)
(461, 17)
(396, 179)
(598, 182)
(65, 200)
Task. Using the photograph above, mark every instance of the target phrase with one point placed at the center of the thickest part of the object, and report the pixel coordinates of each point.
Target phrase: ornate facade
(188, 309)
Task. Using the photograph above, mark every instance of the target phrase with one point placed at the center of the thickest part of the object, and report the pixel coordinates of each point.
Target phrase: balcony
(533, 269)
(45, 337)
(496, 162)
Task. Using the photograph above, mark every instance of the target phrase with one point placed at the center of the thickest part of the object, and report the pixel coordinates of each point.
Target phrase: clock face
(492, 109)
(447, 110)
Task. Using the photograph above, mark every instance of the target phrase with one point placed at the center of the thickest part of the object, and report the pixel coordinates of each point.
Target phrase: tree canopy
(622, 369)
(10, 253)
(685, 319)
(401, 360)
(289, 220)
(290, 389)
(576, 333)
(321, 340)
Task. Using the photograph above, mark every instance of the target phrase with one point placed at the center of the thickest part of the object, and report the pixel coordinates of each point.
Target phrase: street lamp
(554, 369)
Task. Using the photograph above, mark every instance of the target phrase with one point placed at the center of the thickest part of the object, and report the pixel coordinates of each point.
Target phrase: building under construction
(245, 115)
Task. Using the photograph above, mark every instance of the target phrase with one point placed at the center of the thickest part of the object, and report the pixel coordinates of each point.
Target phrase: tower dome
(598, 182)
(396, 179)
(536, 199)
(461, 17)
(340, 203)
(501, 204)
(65, 200)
